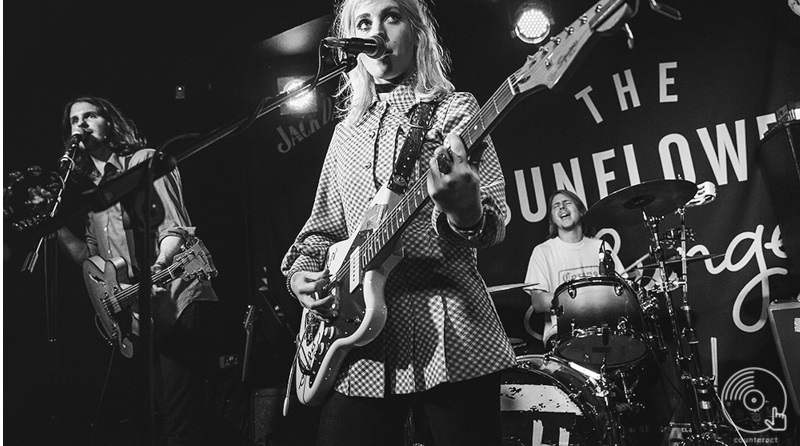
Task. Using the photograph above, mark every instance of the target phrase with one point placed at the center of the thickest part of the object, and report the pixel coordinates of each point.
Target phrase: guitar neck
(478, 127)
(128, 296)
(544, 69)
(487, 118)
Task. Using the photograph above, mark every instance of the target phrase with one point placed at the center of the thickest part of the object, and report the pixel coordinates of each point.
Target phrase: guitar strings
(123, 296)
(503, 96)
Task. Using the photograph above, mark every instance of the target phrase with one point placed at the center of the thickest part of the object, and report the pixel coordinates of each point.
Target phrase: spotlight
(532, 22)
(301, 104)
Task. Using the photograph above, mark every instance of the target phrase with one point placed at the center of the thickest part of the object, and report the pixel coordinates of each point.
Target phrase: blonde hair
(432, 61)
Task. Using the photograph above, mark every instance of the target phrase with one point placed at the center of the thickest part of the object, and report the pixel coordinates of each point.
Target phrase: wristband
(471, 232)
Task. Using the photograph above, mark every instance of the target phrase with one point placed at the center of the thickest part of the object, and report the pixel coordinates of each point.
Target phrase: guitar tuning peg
(629, 34)
(665, 10)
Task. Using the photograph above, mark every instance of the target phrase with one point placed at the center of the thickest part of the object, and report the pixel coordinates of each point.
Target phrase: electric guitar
(249, 321)
(360, 265)
(112, 296)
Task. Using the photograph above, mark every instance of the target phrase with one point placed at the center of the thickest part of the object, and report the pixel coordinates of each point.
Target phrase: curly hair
(123, 137)
(432, 61)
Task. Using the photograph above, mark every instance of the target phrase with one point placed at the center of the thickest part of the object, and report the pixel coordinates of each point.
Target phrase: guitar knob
(329, 332)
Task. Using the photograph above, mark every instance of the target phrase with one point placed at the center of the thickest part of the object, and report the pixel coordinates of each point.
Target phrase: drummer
(570, 253)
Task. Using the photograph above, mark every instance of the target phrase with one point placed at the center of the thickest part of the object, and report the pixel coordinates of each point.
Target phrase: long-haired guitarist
(109, 145)
(442, 345)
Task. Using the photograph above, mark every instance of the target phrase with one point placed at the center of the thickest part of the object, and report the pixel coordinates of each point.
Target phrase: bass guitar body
(112, 296)
(104, 279)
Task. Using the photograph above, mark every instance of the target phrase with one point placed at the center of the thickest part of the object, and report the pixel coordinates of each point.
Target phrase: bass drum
(544, 400)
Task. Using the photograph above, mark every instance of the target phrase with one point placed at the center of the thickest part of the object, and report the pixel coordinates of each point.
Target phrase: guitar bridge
(312, 325)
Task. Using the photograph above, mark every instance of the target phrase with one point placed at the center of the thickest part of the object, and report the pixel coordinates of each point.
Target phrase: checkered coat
(442, 325)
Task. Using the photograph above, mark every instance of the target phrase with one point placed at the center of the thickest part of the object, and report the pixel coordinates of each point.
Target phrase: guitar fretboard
(417, 195)
(128, 296)
(542, 69)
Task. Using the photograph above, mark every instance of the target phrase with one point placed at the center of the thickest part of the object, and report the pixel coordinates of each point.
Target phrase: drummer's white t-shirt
(555, 262)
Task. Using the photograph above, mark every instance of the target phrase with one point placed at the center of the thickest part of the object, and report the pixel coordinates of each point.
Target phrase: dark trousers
(459, 414)
(182, 356)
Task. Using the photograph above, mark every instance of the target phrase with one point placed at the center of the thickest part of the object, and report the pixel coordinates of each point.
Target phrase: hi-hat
(510, 286)
(626, 206)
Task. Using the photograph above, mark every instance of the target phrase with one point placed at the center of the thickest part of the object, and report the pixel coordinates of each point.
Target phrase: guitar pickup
(355, 268)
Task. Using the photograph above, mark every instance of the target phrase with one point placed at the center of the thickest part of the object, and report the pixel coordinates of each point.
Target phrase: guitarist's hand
(158, 266)
(307, 286)
(453, 183)
(169, 247)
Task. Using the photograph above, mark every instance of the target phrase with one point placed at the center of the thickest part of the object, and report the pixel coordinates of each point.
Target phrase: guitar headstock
(553, 60)
(195, 261)
(250, 317)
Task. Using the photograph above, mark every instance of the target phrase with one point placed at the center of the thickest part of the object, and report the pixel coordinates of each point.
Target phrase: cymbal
(625, 206)
(510, 286)
(689, 260)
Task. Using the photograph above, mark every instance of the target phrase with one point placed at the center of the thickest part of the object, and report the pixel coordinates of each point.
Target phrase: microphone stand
(145, 285)
(141, 176)
(103, 196)
(47, 244)
(265, 107)
(30, 260)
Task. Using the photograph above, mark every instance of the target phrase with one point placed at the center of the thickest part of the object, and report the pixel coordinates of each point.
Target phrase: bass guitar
(112, 295)
(360, 265)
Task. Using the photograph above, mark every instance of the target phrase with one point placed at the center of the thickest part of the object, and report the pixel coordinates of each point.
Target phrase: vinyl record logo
(756, 400)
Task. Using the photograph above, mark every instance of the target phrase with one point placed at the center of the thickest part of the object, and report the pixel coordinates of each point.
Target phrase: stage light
(532, 22)
(304, 103)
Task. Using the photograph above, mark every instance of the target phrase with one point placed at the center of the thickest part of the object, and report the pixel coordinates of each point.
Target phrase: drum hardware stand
(616, 436)
(627, 390)
(654, 336)
(702, 410)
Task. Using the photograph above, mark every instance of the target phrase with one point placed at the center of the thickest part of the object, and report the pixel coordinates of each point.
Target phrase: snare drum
(599, 322)
(546, 401)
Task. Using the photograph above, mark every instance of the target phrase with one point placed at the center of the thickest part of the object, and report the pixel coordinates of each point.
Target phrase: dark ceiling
(135, 52)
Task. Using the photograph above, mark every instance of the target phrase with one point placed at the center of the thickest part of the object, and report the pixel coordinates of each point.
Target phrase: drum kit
(607, 327)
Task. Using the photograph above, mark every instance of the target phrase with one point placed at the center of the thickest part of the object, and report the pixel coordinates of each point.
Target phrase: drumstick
(636, 264)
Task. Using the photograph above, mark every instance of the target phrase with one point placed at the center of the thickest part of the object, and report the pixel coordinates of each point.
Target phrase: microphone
(66, 162)
(611, 269)
(373, 47)
(606, 266)
(601, 259)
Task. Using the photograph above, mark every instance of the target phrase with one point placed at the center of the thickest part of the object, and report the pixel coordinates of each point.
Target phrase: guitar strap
(409, 153)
